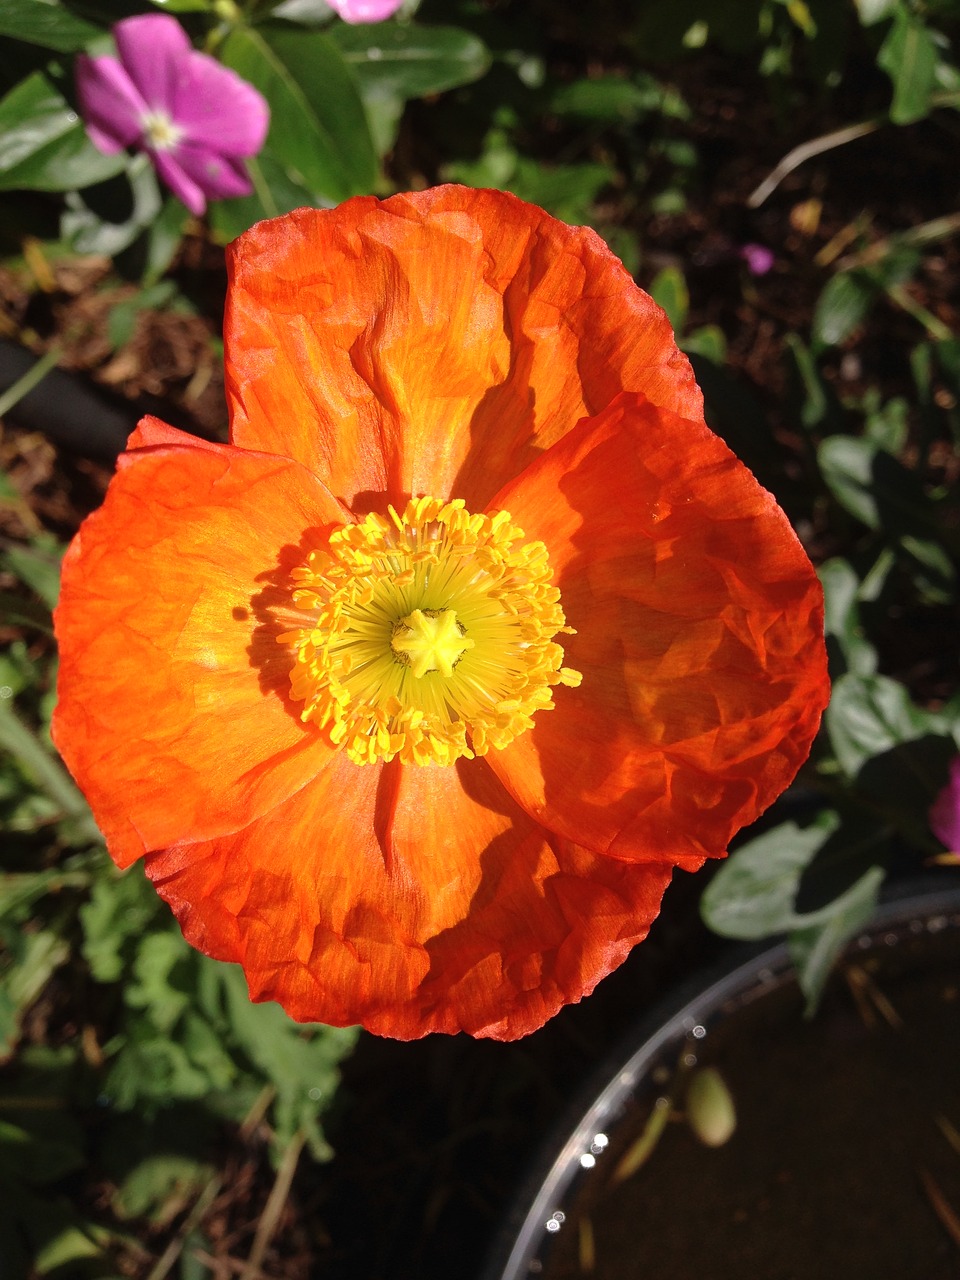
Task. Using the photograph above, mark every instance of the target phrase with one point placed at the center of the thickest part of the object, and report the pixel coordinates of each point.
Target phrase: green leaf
(37, 1158)
(846, 464)
(568, 191)
(43, 146)
(163, 238)
(842, 306)
(871, 714)
(157, 1187)
(46, 23)
(299, 1061)
(38, 565)
(841, 588)
(274, 192)
(403, 60)
(110, 216)
(318, 130)
(872, 11)
(932, 569)
(874, 486)
(114, 919)
(708, 341)
(753, 893)
(605, 98)
(815, 948)
(669, 290)
(29, 968)
(909, 56)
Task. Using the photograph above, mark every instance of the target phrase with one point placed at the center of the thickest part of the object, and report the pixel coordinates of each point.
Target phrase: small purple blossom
(365, 10)
(194, 118)
(758, 258)
(945, 812)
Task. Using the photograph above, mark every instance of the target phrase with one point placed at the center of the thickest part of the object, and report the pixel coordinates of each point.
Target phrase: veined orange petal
(174, 713)
(352, 903)
(699, 635)
(475, 331)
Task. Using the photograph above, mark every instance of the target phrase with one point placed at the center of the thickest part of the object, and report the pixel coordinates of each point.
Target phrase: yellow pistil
(429, 640)
(428, 636)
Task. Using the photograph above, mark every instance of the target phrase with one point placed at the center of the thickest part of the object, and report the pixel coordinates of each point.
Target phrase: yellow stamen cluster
(426, 636)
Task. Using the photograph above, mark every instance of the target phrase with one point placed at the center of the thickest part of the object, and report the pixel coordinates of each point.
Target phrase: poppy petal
(699, 637)
(476, 331)
(174, 713)
(350, 903)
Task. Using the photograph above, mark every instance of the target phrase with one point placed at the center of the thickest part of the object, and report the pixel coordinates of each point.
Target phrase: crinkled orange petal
(409, 900)
(433, 342)
(699, 636)
(173, 713)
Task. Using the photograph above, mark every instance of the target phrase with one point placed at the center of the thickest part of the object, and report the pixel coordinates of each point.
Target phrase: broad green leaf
(669, 290)
(110, 216)
(887, 426)
(872, 11)
(608, 97)
(37, 1158)
(842, 306)
(846, 463)
(815, 947)
(754, 892)
(909, 56)
(869, 715)
(318, 130)
(841, 588)
(163, 238)
(875, 487)
(46, 23)
(274, 192)
(568, 191)
(708, 341)
(391, 59)
(43, 145)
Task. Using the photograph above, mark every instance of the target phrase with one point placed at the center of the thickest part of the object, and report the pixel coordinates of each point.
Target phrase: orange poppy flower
(414, 694)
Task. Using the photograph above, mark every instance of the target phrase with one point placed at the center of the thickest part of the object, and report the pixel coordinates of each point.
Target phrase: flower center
(160, 130)
(428, 636)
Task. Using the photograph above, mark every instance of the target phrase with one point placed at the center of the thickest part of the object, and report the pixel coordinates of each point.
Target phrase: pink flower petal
(217, 109)
(109, 103)
(153, 48)
(365, 10)
(945, 813)
(179, 182)
(219, 177)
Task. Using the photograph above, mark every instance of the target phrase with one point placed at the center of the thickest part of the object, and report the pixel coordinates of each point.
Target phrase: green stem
(934, 326)
(24, 745)
(13, 395)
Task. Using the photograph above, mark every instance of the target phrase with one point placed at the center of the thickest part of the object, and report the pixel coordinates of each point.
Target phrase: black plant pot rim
(699, 1000)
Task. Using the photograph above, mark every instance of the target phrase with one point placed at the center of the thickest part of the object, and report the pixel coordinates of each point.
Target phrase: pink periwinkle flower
(945, 813)
(194, 118)
(364, 10)
(758, 258)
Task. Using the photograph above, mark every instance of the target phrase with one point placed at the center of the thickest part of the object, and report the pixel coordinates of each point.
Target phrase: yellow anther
(427, 637)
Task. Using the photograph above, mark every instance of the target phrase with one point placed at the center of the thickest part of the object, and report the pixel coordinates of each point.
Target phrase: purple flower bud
(194, 118)
(757, 257)
(365, 10)
(945, 813)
